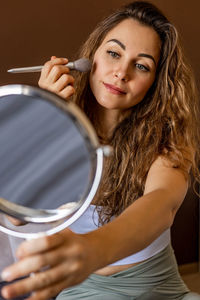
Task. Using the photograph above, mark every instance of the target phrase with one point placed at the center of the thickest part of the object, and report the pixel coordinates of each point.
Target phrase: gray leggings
(156, 278)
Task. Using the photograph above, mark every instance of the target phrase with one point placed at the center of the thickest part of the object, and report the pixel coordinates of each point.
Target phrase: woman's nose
(122, 73)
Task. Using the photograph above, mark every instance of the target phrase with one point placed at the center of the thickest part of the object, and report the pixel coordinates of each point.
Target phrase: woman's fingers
(51, 291)
(63, 81)
(48, 282)
(43, 293)
(44, 243)
(48, 292)
(47, 251)
(57, 71)
(36, 281)
(50, 64)
(60, 260)
(15, 221)
(55, 77)
(67, 92)
(32, 264)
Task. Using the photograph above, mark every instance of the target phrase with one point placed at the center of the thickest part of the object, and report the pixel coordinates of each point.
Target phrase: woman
(140, 97)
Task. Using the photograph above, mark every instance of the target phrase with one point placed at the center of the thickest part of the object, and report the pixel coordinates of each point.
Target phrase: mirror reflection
(44, 160)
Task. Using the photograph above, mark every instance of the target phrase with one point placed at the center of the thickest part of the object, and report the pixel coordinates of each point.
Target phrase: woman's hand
(55, 77)
(54, 262)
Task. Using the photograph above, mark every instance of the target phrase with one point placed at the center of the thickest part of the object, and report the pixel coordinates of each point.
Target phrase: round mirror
(50, 161)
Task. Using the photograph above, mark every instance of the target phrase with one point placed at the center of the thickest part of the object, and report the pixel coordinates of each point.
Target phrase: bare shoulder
(163, 175)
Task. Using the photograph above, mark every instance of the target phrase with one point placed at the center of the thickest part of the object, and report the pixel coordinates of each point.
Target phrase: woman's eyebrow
(124, 48)
(118, 42)
(148, 56)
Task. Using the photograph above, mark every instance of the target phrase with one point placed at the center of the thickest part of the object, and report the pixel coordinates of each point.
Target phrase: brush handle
(70, 65)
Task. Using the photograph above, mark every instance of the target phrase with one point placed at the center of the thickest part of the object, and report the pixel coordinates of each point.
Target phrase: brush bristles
(82, 65)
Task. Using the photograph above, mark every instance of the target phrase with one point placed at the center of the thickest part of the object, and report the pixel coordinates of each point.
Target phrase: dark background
(32, 31)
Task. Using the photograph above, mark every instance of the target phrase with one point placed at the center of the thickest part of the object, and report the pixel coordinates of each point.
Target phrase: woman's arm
(71, 257)
(148, 217)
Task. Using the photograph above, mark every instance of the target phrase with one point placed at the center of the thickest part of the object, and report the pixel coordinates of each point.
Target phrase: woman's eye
(113, 54)
(142, 67)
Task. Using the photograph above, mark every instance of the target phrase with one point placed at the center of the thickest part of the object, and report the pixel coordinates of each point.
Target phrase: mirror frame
(96, 152)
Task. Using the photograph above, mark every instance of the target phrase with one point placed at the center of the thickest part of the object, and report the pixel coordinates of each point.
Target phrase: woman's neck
(107, 120)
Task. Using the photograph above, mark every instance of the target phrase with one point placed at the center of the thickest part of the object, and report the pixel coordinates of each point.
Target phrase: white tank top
(89, 221)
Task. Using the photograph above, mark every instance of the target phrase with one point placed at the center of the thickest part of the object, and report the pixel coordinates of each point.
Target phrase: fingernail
(5, 275)
(5, 293)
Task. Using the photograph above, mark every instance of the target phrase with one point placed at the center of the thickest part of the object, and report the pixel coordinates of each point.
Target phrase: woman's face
(124, 65)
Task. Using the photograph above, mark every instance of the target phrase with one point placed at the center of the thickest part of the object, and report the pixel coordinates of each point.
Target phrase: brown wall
(32, 31)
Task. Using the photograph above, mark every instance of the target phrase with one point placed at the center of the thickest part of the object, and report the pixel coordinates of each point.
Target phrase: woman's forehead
(134, 35)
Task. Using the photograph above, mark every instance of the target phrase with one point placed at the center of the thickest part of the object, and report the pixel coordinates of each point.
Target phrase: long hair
(165, 122)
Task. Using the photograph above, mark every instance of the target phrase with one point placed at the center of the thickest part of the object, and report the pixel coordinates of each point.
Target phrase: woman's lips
(114, 89)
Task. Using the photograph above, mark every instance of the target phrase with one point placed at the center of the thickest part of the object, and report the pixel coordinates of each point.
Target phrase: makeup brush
(81, 65)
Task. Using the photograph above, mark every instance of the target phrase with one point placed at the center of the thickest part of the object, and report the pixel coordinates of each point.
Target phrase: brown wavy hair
(165, 123)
